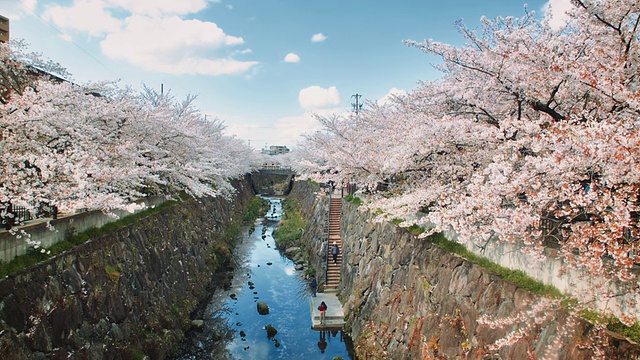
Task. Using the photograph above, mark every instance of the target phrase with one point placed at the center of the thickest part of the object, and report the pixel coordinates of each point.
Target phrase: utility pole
(357, 106)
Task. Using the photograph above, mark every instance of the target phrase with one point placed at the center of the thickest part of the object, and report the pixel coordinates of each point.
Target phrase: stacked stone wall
(125, 295)
(405, 298)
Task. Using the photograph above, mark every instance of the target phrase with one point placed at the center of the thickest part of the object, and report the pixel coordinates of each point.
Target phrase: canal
(232, 328)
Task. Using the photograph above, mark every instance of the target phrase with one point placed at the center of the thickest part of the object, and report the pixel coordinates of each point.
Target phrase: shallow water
(233, 313)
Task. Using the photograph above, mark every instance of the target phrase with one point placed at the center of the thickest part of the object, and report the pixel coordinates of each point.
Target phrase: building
(4, 29)
(275, 150)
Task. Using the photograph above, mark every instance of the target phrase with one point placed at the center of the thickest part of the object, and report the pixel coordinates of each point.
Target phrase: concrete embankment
(125, 295)
(405, 298)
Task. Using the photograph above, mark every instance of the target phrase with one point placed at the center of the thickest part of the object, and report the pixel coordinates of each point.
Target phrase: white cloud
(292, 58)
(84, 16)
(175, 46)
(315, 97)
(390, 95)
(557, 10)
(243, 51)
(319, 37)
(157, 7)
(291, 128)
(16, 10)
(281, 131)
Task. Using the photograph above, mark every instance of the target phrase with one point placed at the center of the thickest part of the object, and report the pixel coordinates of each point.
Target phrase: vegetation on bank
(72, 239)
(354, 200)
(313, 182)
(524, 281)
(255, 208)
(291, 227)
(290, 230)
(517, 277)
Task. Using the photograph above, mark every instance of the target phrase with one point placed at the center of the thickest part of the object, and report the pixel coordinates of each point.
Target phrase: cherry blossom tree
(531, 134)
(97, 146)
(20, 69)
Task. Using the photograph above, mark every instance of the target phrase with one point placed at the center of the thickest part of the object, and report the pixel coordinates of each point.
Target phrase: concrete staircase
(334, 318)
(333, 270)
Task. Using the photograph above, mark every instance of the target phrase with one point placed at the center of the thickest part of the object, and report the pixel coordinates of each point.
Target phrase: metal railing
(16, 215)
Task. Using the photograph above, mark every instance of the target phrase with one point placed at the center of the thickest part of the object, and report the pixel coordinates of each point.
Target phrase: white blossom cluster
(532, 134)
(98, 146)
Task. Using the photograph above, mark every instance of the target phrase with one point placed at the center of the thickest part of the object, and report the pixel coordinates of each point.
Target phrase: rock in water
(197, 323)
(263, 308)
(271, 331)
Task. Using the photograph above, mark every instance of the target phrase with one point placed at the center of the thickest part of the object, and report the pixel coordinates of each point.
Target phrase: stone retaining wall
(12, 246)
(313, 202)
(125, 295)
(405, 298)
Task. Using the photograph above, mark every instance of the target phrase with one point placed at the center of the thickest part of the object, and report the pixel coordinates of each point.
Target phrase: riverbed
(232, 327)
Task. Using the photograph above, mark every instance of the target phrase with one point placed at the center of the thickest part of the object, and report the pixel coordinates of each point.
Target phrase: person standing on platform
(314, 285)
(323, 310)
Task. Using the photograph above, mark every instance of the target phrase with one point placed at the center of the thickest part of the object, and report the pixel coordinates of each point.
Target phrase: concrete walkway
(334, 317)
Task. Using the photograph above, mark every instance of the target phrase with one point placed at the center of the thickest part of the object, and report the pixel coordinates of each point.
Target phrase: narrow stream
(233, 328)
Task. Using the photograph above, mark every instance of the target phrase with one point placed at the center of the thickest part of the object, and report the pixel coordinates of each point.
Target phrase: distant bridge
(276, 171)
(273, 180)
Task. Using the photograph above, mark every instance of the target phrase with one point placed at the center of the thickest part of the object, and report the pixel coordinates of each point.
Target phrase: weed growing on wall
(73, 239)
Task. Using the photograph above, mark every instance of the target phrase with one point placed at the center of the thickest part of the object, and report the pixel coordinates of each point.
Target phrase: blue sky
(263, 67)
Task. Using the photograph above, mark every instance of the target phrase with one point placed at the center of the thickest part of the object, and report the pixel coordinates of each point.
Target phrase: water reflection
(233, 328)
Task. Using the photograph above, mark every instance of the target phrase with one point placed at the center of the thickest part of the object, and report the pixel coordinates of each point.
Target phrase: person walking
(335, 250)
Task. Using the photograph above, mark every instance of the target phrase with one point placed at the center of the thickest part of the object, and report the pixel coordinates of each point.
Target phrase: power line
(71, 41)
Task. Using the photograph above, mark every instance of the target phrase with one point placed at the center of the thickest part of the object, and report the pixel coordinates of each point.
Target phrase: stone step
(327, 317)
